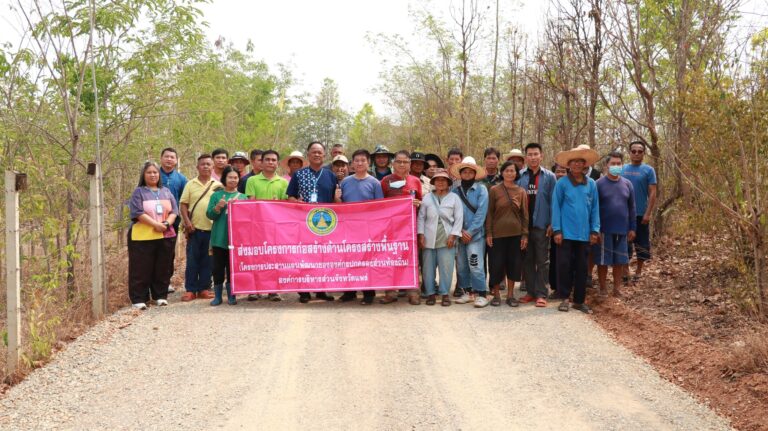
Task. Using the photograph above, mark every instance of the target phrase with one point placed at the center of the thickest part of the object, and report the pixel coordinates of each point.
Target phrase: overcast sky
(319, 39)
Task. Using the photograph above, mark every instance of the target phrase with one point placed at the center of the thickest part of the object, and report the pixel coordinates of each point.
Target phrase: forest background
(686, 77)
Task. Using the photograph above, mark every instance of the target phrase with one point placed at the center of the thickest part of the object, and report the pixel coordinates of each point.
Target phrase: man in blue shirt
(175, 181)
(470, 270)
(575, 224)
(313, 184)
(617, 224)
(356, 188)
(538, 183)
(643, 178)
(255, 157)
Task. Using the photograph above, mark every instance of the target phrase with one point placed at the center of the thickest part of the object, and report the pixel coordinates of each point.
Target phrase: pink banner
(279, 246)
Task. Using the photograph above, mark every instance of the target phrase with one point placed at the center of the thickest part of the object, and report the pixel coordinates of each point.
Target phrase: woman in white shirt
(440, 219)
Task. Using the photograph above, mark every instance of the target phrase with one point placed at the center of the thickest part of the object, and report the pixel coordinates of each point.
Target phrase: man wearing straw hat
(575, 224)
(471, 252)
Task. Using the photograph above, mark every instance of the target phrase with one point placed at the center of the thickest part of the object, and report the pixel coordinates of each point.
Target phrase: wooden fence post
(95, 233)
(14, 182)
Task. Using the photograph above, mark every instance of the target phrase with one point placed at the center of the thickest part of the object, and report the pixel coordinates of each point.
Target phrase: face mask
(615, 170)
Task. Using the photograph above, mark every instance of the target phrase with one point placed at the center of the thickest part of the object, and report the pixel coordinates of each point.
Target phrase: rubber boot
(216, 295)
(231, 300)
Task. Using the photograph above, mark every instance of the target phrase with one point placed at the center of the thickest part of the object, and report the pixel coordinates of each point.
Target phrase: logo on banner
(322, 221)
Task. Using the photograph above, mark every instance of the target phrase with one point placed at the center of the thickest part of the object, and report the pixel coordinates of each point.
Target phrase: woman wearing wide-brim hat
(289, 168)
(439, 227)
(575, 224)
(470, 266)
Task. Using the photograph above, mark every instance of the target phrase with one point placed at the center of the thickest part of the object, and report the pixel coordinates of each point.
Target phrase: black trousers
(220, 264)
(150, 267)
(572, 269)
(505, 260)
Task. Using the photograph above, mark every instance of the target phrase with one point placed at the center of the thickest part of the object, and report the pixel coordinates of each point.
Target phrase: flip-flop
(541, 302)
(496, 301)
(512, 302)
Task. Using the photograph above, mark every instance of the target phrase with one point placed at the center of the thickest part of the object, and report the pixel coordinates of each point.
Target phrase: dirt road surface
(328, 366)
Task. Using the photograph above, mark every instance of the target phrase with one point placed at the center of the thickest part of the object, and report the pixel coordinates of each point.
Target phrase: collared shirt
(575, 208)
(174, 181)
(307, 181)
(219, 231)
(477, 195)
(380, 175)
(244, 181)
(190, 196)
(448, 211)
(261, 187)
(541, 216)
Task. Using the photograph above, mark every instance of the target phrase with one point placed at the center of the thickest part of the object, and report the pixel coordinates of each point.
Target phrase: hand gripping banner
(280, 246)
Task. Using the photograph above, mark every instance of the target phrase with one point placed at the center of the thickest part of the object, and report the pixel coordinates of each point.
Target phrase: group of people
(508, 220)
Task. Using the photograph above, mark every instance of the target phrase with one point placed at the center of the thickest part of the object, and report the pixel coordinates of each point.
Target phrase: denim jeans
(470, 269)
(197, 277)
(440, 259)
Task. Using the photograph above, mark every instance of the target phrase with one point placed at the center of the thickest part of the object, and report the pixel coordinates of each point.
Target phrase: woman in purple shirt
(151, 239)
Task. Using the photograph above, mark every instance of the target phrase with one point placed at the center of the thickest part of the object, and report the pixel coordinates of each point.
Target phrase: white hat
(340, 158)
(581, 152)
(468, 162)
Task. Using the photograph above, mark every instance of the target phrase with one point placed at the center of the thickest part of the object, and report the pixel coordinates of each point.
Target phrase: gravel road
(264, 365)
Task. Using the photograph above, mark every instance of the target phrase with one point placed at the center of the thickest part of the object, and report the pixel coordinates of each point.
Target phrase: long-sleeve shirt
(507, 212)
(477, 195)
(617, 205)
(219, 231)
(542, 210)
(448, 210)
(575, 208)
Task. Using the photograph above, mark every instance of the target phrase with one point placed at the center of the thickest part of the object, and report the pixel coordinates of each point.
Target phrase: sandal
(564, 306)
(446, 302)
(496, 301)
(526, 299)
(584, 308)
(414, 300)
(388, 299)
(512, 302)
(541, 302)
(431, 300)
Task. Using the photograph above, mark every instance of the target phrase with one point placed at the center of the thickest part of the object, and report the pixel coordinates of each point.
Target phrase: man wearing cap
(313, 184)
(356, 188)
(470, 268)
(381, 160)
(239, 161)
(401, 183)
(538, 183)
(418, 168)
(517, 157)
(340, 167)
(255, 169)
(293, 163)
(576, 225)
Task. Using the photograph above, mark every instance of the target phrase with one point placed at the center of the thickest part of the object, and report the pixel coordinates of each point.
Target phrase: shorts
(612, 250)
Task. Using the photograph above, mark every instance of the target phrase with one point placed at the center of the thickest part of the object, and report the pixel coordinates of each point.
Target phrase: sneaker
(161, 302)
(274, 297)
(463, 299)
(481, 302)
(171, 289)
(139, 306)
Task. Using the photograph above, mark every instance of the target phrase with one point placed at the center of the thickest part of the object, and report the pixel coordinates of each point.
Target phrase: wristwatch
(166, 224)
